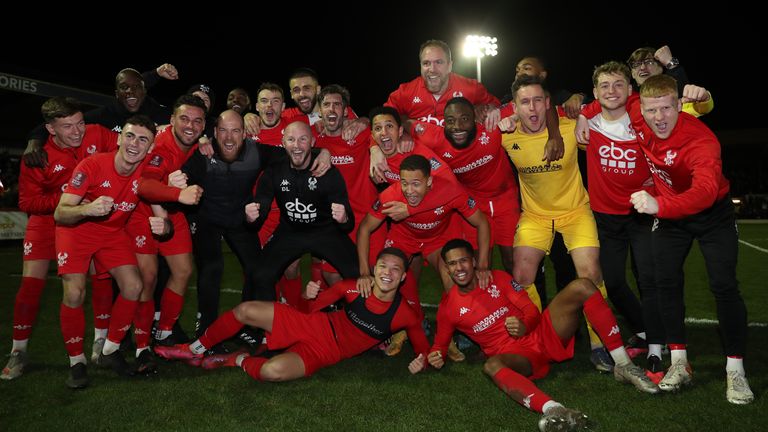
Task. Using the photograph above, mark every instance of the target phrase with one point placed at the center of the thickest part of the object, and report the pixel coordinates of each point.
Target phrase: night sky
(375, 52)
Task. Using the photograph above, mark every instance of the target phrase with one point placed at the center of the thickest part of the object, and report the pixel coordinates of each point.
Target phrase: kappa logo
(105, 316)
(388, 243)
(285, 186)
(447, 155)
(27, 248)
(78, 179)
(614, 330)
(214, 161)
(463, 310)
(484, 139)
(117, 129)
(58, 167)
(416, 99)
(285, 183)
(527, 401)
(106, 184)
(515, 146)
(22, 327)
(141, 240)
(91, 149)
(62, 258)
(440, 210)
(74, 340)
(670, 158)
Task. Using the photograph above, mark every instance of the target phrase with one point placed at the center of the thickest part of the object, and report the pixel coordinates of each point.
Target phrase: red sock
(603, 322)
(252, 366)
(26, 306)
(170, 309)
(123, 312)
(222, 329)
(72, 328)
(410, 291)
(142, 322)
(514, 384)
(316, 272)
(101, 299)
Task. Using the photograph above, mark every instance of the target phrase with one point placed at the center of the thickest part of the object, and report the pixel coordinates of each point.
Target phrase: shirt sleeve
(407, 318)
(531, 315)
(32, 197)
(329, 296)
(445, 328)
(265, 193)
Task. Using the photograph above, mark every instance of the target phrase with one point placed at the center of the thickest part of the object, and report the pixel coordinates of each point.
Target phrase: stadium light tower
(479, 47)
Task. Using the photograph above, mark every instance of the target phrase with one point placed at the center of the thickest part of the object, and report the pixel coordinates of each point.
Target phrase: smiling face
(645, 68)
(531, 103)
(188, 122)
(661, 113)
(304, 92)
(460, 266)
(135, 142)
(435, 69)
(415, 185)
(129, 90)
(388, 273)
(239, 101)
(298, 142)
(459, 125)
(230, 135)
(612, 91)
(386, 133)
(67, 132)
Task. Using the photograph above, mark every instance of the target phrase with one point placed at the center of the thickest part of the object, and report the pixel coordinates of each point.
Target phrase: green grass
(372, 392)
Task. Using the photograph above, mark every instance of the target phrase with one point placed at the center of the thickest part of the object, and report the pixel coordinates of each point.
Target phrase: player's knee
(492, 366)
(74, 296)
(274, 371)
(131, 289)
(582, 288)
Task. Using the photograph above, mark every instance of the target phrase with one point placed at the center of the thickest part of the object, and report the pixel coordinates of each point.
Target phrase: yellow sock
(534, 295)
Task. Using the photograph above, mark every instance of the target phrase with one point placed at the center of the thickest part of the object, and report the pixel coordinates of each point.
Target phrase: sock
(142, 323)
(73, 360)
(735, 363)
(222, 329)
(654, 349)
(316, 273)
(100, 333)
(604, 323)
(197, 347)
(641, 335)
(620, 356)
(162, 334)
(101, 299)
(252, 366)
(594, 338)
(549, 405)
(678, 352)
(170, 309)
(410, 292)
(534, 295)
(73, 329)
(20, 345)
(110, 347)
(141, 350)
(26, 306)
(123, 312)
(518, 386)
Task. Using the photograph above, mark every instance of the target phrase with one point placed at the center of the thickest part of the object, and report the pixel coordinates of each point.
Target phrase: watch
(673, 63)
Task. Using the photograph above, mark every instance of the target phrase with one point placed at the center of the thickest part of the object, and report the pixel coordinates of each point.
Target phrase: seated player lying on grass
(316, 339)
(519, 342)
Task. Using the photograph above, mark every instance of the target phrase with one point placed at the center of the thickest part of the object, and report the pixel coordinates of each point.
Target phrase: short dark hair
(612, 67)
(385, 110)
(416, 163)
(127, 71)
(457, 243)
(143, 121)
(334, 89)
(436, 43)
(524, 81)
(394, 252)
(188, 99)
(642, 54)
(58, 107)
(460, 100)
(304, 72)
(270, 86)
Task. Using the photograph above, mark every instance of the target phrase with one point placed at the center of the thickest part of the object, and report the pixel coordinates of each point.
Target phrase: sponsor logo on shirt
(430, 119)
(537, 169)
(516, 286)
(392, 176)
(423, 226)
(472, 165)
(617, 160)
(660, 173)
(124, 206)
(342, 160)
(490, 319)
(297, 211)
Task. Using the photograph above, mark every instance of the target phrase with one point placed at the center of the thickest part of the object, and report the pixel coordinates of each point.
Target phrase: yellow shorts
(577, 227)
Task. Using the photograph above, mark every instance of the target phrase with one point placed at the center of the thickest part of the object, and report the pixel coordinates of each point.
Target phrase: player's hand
(159, 226)
(168, 71)
(352, 128)
(311, 290)
(322, 163)
(663, 55)
(554, 150)
(365, 285)
(397, 210)
(644, 202)
(378, 165)
(406, 144)
(582, 130)
(339, 212)
(436, 359)
(252, 124)
(190, 195)
(205, 147)
(484, 277)
(101, 206)
(515, 327)
(417, 365)
(572, 106)
(252, 212)
(508, 124)
(693, 93)
(492, 119)
(177, 179)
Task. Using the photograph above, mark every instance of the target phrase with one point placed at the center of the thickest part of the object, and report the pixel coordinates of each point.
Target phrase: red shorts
(76, 247)
(40, 239)
(270, 225)
(413, 245)
(145, 243)
(308, 335)
(502, 213)
(540, 347)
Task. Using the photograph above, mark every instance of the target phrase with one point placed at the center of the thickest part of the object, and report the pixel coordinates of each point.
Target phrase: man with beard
(520, 342)
(315, 214)
(173, 146)
(228, 179)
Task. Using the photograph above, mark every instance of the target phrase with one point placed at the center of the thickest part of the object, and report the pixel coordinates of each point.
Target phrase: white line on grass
(753, 246)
